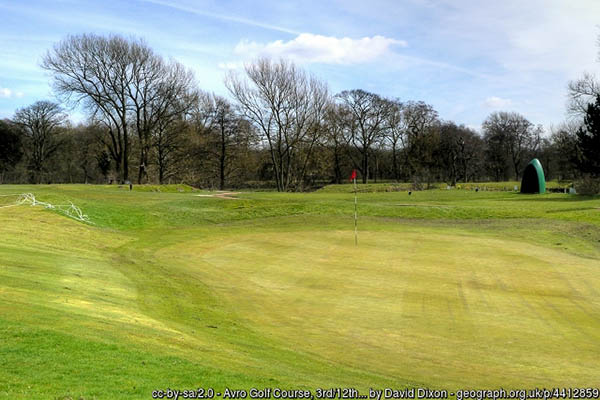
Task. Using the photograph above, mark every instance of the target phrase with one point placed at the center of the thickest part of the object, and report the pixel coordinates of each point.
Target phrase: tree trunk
(517, 165)
(222, 160)
(376, 169)
(365, 177)
(125, 152)
(395, 163)
(336, 168)
(141, 168)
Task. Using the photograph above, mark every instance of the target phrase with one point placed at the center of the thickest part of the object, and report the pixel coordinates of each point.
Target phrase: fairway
(446, 290)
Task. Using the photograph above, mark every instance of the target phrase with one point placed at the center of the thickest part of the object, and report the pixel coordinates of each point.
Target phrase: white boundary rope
(70, 210)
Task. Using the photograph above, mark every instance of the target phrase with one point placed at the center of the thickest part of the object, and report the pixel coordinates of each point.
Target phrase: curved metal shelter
(533, 180)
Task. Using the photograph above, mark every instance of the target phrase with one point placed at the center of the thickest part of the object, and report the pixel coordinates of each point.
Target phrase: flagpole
(355, 215)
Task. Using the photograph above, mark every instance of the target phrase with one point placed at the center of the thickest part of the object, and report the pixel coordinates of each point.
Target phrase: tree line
(147, 121)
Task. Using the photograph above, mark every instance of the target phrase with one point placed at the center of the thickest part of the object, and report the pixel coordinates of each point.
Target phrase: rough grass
(446, 289)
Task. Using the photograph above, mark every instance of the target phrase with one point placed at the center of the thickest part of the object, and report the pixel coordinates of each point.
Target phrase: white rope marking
(70, 210)
(10, 195)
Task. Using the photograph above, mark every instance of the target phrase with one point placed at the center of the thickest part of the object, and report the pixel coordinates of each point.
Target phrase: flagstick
(355, 215)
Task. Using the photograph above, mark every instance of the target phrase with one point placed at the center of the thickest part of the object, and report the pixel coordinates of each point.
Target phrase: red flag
(353, 176)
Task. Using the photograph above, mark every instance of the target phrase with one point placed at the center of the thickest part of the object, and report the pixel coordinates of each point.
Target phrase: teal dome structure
(533, 180)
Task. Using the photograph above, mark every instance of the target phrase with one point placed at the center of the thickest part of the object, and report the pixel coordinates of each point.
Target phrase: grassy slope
(447, 289)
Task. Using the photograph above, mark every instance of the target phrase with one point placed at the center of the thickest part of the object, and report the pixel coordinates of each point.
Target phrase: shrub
(588, 186)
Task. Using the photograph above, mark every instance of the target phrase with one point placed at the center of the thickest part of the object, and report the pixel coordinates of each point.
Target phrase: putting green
(450, 310)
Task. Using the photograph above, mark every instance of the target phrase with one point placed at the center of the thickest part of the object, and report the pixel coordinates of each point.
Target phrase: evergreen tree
(10, 146)
(588, 141)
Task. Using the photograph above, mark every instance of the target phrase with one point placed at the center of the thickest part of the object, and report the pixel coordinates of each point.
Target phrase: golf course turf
(447, 289)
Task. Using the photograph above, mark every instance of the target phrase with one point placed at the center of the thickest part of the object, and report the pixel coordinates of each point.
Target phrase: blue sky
(467, 58)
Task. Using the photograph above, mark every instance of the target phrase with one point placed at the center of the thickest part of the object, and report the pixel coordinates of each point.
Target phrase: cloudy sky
(465, 57)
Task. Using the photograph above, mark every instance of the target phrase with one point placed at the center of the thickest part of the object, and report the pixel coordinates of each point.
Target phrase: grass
(447, 289)
(405, 186)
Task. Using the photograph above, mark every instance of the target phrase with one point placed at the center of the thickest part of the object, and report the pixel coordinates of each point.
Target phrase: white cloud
(476, 128)
(549, 36)
(310, 48)
(497, 102)
(8, 93)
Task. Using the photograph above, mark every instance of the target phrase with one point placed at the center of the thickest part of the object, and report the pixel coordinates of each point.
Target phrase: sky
(467, 58)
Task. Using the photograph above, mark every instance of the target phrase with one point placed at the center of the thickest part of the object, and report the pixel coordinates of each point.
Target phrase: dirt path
(222, 195)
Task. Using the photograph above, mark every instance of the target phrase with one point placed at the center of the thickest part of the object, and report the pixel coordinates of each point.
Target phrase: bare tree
(227, 134)
(421, 122)
(124, 85)
(76, 161)
(397, 131)
(581, 92)
(168, 141)
(40, 123)
(97, 71)
(161, 94)
(513, 134)
(287, 107)
(334, 137)
(470, 153)
(365, 123)
(459, 147)
(563, 149)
